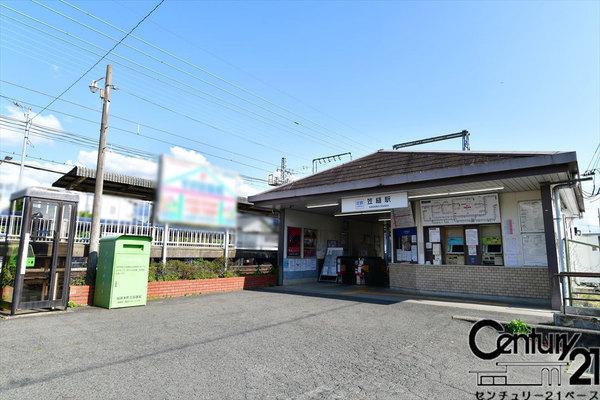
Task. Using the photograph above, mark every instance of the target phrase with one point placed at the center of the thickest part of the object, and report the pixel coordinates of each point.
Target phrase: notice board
(531, 216)
(473, 209)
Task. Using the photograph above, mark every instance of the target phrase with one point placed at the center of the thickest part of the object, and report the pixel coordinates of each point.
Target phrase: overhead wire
(132, 150)
(216, 100)
(101, 58)
(204, 70)
(156, 59)
(138, 133)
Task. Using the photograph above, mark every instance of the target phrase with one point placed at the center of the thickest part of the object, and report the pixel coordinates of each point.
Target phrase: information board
(534, 249)
(474, 209)
(531, 216)
(196, 194)
(402, 217)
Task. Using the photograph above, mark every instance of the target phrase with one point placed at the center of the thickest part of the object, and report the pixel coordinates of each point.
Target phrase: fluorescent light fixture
(322, 205)
(384, 219)
(460, 192)
(361, 213)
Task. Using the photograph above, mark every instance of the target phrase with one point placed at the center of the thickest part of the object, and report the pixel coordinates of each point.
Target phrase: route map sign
(474, 209)
(196, 194)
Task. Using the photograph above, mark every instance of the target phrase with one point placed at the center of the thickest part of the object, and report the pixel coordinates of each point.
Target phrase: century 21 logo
(562, 344)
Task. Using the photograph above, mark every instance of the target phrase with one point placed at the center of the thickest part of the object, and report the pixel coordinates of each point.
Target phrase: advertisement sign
(310, 243)
(196, 194)
(294, 241)
(374, 202)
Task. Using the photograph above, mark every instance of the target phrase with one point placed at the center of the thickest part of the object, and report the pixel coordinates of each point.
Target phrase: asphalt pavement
(244, 345)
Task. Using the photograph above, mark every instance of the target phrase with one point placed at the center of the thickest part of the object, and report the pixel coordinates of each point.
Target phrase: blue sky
(517, 75)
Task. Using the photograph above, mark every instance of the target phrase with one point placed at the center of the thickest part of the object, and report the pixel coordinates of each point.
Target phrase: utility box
(122, 271)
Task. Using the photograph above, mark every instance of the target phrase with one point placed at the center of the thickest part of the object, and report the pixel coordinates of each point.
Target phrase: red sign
(294, 241)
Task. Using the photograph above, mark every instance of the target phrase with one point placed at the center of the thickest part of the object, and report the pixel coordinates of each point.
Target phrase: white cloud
(189, 155)
(9, 176)
(120, 164)
(15, 136)
(135, 166)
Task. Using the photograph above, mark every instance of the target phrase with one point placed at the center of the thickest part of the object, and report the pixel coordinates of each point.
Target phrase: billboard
(195, 194)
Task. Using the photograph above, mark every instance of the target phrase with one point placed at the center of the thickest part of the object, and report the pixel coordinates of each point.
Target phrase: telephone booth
(37, 268)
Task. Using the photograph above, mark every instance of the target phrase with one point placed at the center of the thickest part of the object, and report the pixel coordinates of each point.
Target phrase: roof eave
(442, 173)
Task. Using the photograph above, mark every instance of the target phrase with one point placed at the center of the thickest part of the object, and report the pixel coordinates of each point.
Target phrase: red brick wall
(82, 295)
(85, 294)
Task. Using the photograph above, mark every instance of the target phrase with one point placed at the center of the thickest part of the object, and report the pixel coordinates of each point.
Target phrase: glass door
(36, 288)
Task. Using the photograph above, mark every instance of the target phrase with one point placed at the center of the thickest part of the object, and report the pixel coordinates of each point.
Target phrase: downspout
(561, 242)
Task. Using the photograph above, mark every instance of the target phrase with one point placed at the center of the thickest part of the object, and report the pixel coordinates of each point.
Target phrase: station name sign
(374, 202)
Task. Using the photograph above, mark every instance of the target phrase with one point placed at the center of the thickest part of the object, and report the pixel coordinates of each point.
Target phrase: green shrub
(78, 280)
(72, 304)
(229, 273)
(7, 276)
(518, 326)
(177, 269)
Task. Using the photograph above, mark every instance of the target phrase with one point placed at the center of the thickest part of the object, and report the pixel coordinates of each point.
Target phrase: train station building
(468, 224)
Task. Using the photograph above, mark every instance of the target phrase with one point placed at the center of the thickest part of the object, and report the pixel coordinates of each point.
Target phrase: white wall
(328, 228)
(509, 211)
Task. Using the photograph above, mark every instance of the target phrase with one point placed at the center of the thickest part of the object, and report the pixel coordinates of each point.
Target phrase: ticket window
(454, 246)
(491, 245)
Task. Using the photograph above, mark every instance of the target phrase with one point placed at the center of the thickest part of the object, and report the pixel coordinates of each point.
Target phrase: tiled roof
(385, 163)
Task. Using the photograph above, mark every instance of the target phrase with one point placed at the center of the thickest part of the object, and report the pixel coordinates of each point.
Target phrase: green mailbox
(122, 272)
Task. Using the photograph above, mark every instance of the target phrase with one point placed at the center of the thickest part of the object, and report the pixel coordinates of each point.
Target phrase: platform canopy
(83, 179)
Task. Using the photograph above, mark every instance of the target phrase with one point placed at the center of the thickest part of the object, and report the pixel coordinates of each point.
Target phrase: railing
(43, 231)
(581, 296)
(582, 278)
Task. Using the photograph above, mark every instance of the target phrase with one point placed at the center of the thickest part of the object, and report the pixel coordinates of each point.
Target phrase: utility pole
(97, 205)
(27, 115)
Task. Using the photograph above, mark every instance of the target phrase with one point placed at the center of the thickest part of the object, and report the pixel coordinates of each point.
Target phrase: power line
(187, 63)
(262, 81)
(100, 60)
(15, 125)
(137, 123)
(216, 100)
(294, 123)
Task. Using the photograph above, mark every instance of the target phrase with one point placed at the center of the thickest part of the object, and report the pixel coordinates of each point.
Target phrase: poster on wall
(434, 235)
(310, 243)
(531, 216)
(402, 217)
(472, 237)
(294, 241)
(534, 249)
(474, 209)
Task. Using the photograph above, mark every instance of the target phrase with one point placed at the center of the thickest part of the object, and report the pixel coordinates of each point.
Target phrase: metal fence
(43, 231)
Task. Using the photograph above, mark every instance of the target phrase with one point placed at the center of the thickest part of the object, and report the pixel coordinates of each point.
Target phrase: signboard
(531, 216)
(310, 243)
(374, 202)
(534, 249)
(294, 241)
(195, 194)
(402, 218)
(474, 209)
